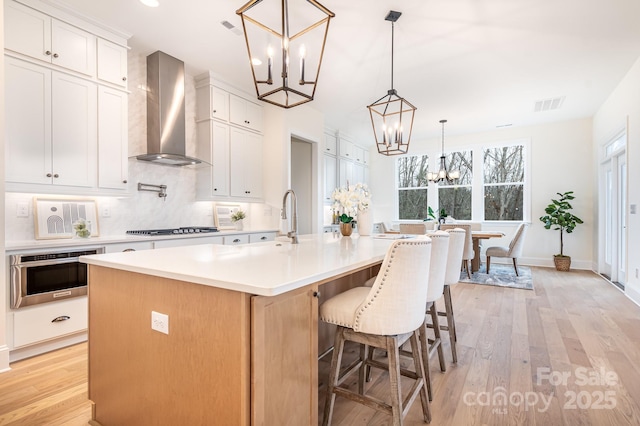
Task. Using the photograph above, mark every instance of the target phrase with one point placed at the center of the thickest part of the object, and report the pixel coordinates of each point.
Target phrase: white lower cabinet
(262, 237)
(230, 240)
(132, 246)
(187, 242)
(49, 321)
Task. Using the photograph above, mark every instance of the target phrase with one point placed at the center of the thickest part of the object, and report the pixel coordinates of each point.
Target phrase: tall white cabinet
(66, 103)
(229, 134)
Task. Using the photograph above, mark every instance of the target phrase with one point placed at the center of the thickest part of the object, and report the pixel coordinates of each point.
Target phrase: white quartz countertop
(11, 246)
(266, 268)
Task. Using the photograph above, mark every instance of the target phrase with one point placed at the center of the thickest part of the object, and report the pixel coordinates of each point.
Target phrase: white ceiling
(478, 63)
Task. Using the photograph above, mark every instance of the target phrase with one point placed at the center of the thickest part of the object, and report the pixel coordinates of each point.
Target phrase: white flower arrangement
(351, 200)
(238, 215)
(82, 228)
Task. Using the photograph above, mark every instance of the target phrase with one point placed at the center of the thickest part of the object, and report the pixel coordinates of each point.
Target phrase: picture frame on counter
(54, 217)
(222, 215)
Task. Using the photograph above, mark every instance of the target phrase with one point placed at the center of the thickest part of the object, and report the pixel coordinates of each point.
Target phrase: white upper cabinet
(113, 167)
(330, 144)
(112, 63)
(245, 113)
(330, 176)
(27, 122)
(51, 126)
(211, 102)
(213, 146)
(346, 149)
(39, 36)
(366, 157)
(246, 164)
(358, 154)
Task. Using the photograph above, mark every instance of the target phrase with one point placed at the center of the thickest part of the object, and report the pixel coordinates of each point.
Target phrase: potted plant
(559, 216)
(237, 218)
(350, 200)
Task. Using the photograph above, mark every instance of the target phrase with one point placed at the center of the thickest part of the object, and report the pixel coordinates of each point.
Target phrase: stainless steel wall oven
(45, 277)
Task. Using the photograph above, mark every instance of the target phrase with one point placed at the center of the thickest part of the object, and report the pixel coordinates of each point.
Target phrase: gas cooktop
(175, 231)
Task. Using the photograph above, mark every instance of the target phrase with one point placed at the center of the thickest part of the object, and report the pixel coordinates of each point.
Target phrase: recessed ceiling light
(150, 3)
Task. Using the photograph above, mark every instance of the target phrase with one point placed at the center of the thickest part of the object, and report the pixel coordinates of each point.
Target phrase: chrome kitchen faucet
(293, 234)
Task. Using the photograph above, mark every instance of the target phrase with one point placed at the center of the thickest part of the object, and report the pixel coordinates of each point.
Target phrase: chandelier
(443, 174)
(274, 32)
(392, 115)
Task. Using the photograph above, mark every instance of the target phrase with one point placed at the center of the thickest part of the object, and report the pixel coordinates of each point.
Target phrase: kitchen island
(243, 334)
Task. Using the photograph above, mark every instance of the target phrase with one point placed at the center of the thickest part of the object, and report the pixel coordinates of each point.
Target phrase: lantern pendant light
(391, 115)
(275, 32)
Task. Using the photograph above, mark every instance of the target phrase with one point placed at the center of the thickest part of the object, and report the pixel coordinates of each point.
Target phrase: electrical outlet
(160, 322)
(636, 272)
(105, 210)
(22, 210)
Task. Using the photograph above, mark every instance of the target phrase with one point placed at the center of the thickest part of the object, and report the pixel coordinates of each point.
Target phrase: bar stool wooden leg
(437, 342)
(421, 371)
(394, 379)
(424, 347)
(334, 374)
(451, 323)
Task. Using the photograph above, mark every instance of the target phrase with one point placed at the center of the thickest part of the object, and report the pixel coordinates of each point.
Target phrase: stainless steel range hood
(166, 136)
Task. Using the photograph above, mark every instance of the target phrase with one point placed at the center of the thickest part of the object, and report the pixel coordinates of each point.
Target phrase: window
(498, 190)
(456, 199)
(503, 169)
(412, 187)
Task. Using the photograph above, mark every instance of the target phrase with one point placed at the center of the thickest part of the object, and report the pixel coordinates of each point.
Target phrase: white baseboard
(546, 263)
(4, 359)
(40, 348)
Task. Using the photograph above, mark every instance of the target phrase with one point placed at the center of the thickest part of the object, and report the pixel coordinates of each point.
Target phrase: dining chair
(514, 250)
(385, 316)
(413, 228)
(468, 252)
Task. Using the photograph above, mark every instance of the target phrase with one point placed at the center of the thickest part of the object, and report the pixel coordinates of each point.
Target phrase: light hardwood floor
(558, 347)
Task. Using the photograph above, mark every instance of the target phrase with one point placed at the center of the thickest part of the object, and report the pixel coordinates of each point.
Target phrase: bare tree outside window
(455, 199)
(412, 187)
(504, 183)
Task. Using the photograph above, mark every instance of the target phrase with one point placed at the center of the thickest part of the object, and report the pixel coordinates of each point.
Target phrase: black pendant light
(443, 174)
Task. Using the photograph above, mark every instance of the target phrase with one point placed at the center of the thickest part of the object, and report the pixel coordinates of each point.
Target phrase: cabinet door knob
(316, 294)
(124, 181)
(56, 175)
(215, 110)
(49, 174)
(124, 78)
(48, 53)
(215, 189)
(55, 55)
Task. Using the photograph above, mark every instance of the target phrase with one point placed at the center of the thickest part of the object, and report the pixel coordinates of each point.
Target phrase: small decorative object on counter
(350, 201)
(237, 218)
(82, 228)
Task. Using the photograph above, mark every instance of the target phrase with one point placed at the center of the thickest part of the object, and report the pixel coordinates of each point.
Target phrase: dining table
(476, 236)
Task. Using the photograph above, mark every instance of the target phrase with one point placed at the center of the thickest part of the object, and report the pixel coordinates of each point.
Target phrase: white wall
(623, 107)
(561, 160)
(4, 350)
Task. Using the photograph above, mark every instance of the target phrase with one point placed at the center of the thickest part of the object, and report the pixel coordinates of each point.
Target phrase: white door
(613, 208)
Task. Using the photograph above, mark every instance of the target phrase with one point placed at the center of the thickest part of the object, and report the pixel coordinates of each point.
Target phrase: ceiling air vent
(228, 25)
(548, 104)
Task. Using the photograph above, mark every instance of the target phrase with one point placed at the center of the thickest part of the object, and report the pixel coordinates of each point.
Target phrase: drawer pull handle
(263, 238)
(61, 318)
(237, 240)
(128, 250)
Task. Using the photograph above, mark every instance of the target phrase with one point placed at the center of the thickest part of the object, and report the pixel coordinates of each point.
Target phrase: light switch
(632, 209)
(22, 210)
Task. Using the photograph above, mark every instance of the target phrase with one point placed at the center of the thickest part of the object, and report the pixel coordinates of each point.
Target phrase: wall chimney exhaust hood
(166, 136)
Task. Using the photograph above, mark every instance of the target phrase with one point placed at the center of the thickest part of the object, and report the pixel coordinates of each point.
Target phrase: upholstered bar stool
(468, 252)
(384, 316)
(435, 289)
(456, 247)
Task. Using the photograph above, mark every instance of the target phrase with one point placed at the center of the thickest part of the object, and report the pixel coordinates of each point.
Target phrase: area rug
(501, 276)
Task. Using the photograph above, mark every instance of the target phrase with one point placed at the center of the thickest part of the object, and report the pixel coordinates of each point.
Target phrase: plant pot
(239, 224)
(563, 263)
(346, 229)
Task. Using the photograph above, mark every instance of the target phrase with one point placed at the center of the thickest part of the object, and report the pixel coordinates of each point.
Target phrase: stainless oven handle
(47, 262)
